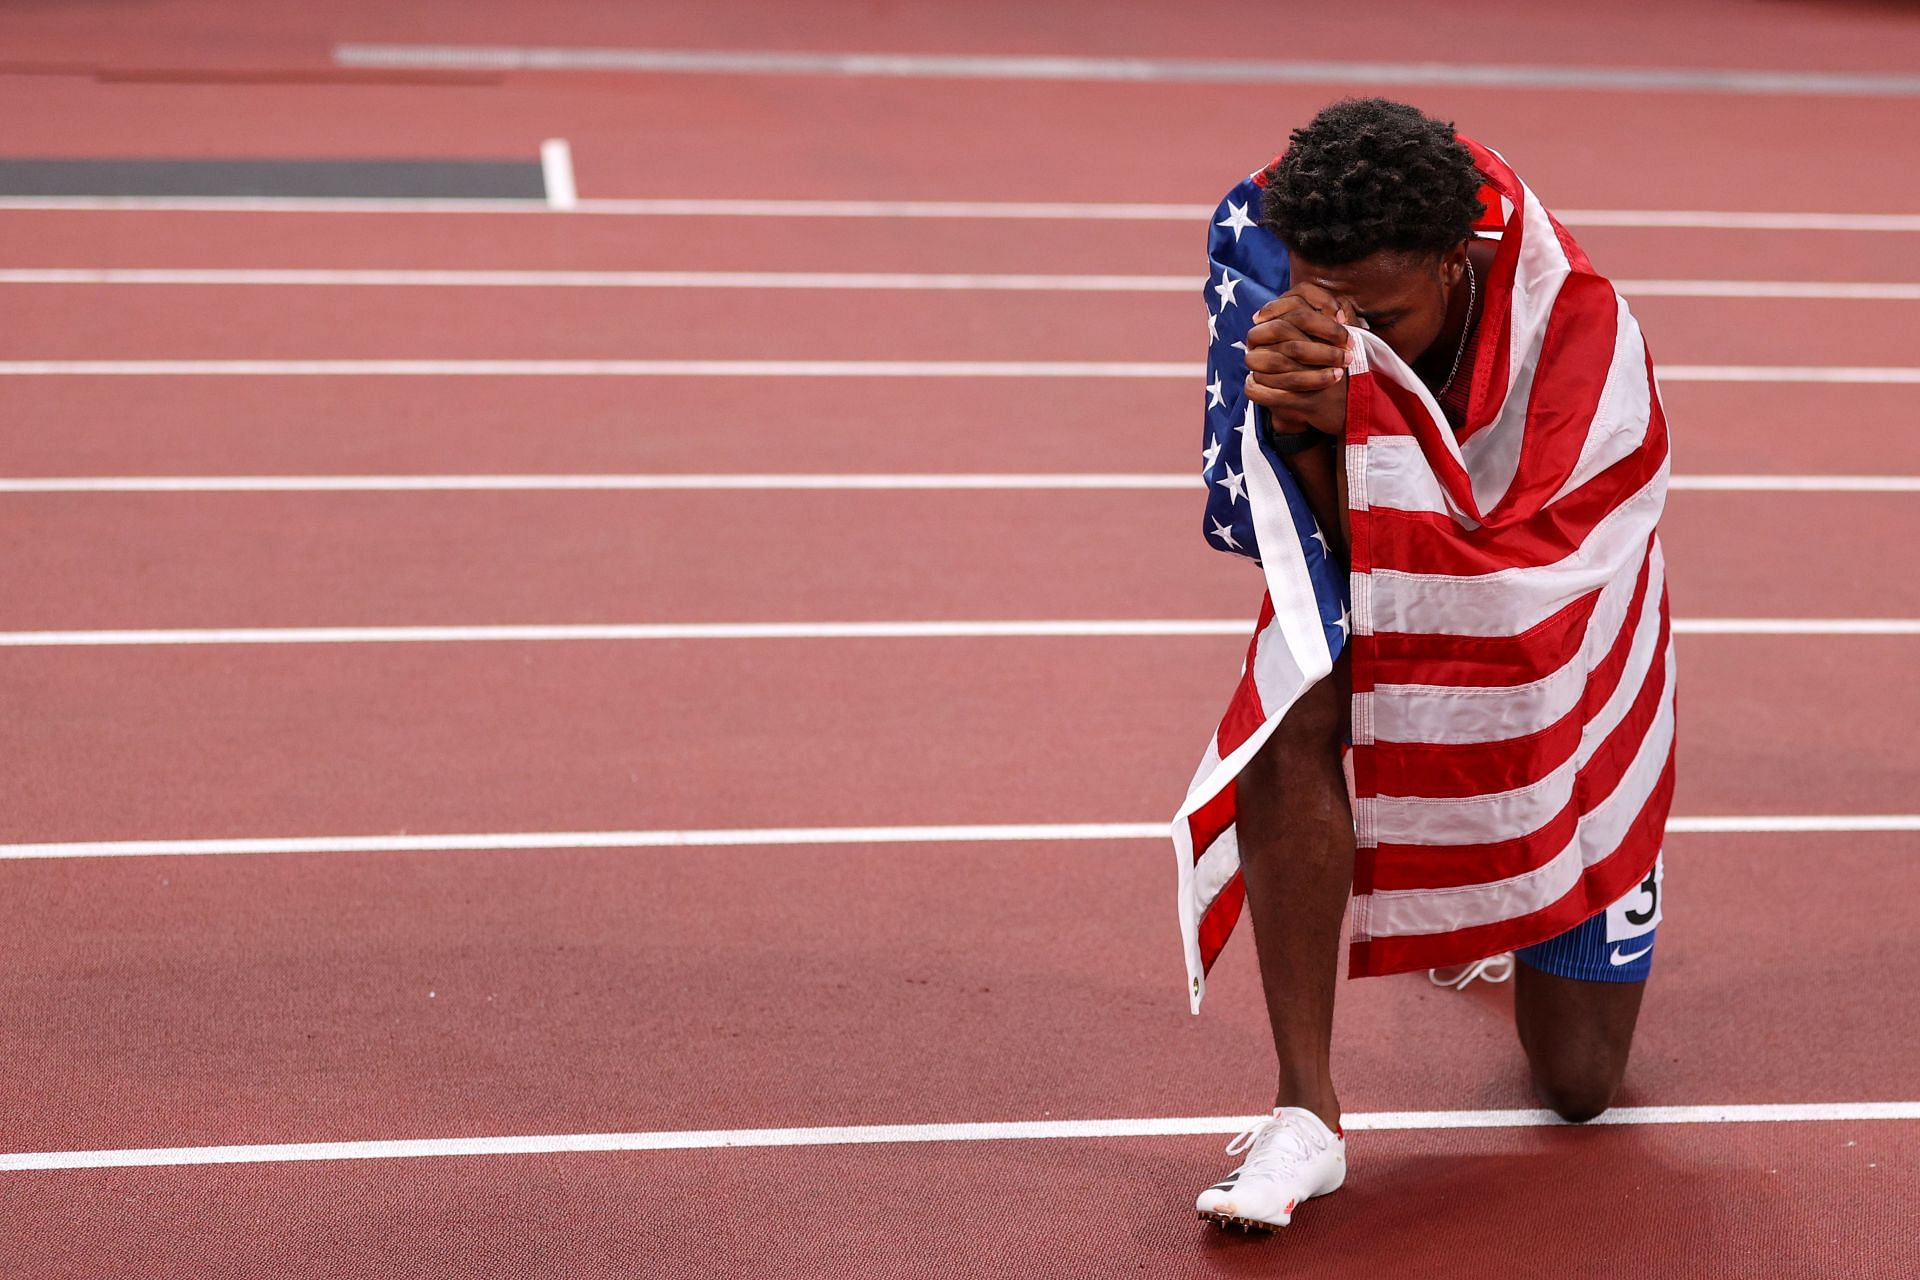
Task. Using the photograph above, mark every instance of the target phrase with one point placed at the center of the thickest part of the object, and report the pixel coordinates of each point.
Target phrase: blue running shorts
(1615, 945)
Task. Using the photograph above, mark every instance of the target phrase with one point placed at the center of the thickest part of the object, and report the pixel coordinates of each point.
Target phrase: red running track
(278, 740)
(302, 426)
(299, 560)
(640, 242)
(278, 998)
(119, 322)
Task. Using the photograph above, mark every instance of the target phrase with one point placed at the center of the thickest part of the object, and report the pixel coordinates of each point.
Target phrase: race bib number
(1638, 911)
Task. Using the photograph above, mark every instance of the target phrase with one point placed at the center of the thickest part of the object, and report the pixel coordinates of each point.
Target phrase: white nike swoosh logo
(1617, 958)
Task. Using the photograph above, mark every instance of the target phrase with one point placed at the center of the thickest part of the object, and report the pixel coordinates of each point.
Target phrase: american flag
(1506, 607)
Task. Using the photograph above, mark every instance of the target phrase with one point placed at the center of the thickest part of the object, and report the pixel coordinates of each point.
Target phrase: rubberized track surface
(200, 1002)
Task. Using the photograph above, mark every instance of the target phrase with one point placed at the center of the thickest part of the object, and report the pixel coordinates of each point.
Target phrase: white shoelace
(1274, 1146)
(1493, 969)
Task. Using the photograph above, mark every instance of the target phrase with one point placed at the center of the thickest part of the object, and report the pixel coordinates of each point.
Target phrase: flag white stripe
(1511, 601)
(1410, 912)
(1495, 713)
(1628, 396)
(1492, 454)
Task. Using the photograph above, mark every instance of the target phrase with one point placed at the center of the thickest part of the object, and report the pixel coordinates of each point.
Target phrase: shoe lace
(1274, 1145)
(1493, 969)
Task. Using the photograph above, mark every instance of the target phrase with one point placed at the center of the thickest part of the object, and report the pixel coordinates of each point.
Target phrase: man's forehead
(1377, 278)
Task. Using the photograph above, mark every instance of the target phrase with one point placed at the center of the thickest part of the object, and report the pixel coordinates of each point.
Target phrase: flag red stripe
(1216, 923)
(1478, 661)
(1578, 350)
(1426, 866)
(1602, 884)
(1434, 542)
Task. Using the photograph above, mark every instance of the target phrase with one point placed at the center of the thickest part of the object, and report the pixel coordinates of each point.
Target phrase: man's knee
(1311, 728)
(1578, 1095)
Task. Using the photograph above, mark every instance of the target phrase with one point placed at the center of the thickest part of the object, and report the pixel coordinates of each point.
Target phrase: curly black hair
(1369, 174)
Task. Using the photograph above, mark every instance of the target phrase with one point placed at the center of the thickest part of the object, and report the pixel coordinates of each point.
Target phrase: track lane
(215, 741)
(267, 425)
(151, 238)
(1082, 1208)
(1694, 33)
(360, 997)
(104, 322)
(503, 558)
(795, 135)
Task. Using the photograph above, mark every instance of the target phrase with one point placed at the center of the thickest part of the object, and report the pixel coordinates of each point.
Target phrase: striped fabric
(1513, 669)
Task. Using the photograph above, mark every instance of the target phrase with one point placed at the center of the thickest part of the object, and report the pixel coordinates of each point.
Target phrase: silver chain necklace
(1473, 295)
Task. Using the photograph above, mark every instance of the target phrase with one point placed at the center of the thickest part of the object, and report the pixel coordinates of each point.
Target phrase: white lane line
(1797, 627)
(1880, 291)
(633, 631)
(989, 1131)
(1798, 484)
(556, 173)
(769, 837)
(1151, 369)
(781, 62)
(804, 483)
(1092, 627)
(877, 280)
(989, 833)
(610, 368)
(1030, 210)
(300, 277)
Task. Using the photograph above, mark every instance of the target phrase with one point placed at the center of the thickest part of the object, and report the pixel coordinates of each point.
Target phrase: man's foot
(1291, 1156)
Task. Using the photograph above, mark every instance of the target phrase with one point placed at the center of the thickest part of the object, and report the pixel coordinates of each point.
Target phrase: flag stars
(1225, 288)
(1225, 535)
(1344, 621)
(1213, 328)
(1234, 484)
(1236, 220)
(1321, 538)
(1211, 452)
(1215, 400)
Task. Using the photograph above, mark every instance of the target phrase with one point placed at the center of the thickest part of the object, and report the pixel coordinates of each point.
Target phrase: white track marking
(926, 282)
(1798, 484)
(1819, 289)
(1043, 211)
(1168, 369)
(823, 280)
(1132, 70)
(1797, 627)
(803, 482)
(1092, 627)
(997, 833)
(538, 483)
(609, 368)
(990, 1131)
(754, 837)
(640, 631)
(556, 173)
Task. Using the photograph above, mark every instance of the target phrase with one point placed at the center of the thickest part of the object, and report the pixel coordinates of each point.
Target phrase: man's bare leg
(1295, 826)
(1576, 1035)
